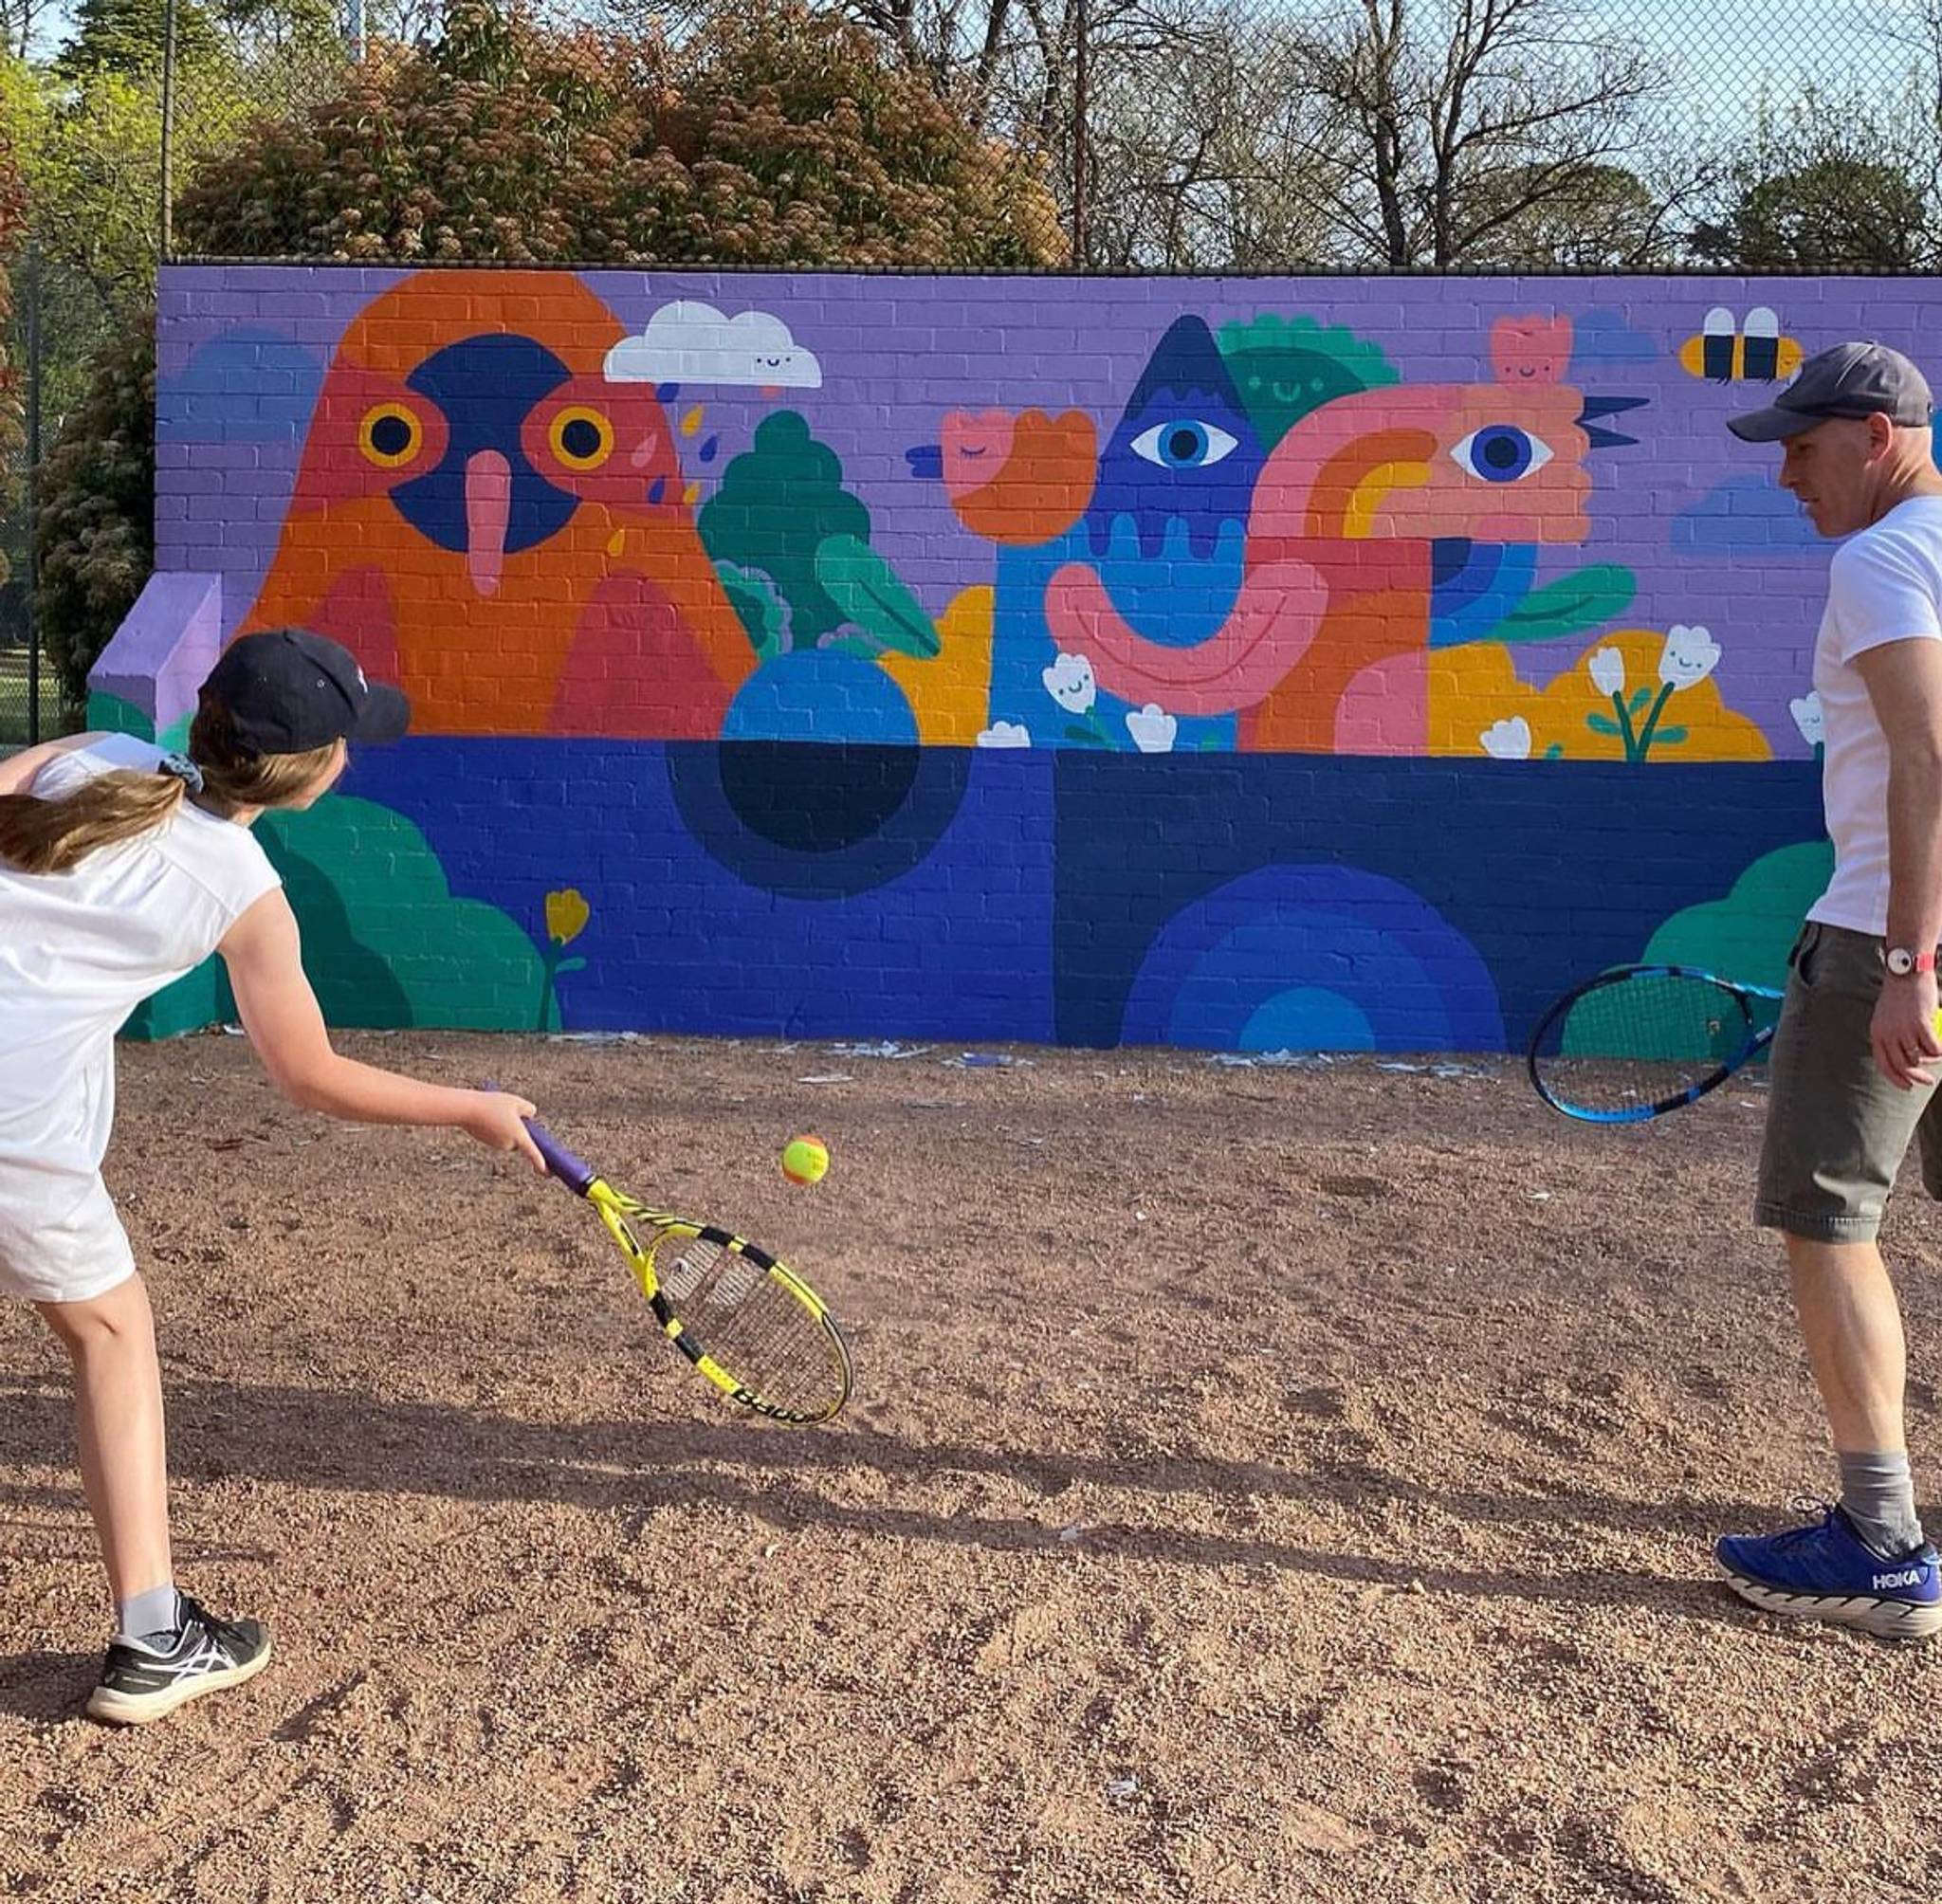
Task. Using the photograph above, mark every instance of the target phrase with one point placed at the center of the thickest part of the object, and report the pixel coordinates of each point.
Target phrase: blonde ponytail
(38, 835)
(52, 835)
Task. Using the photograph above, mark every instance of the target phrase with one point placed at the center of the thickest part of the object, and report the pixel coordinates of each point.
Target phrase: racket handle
(575, 1172)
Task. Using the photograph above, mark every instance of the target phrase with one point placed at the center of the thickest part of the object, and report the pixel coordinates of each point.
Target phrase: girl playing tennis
(121, 868)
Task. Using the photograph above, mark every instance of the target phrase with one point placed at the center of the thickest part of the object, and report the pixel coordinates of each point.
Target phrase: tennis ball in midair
(804, 1160)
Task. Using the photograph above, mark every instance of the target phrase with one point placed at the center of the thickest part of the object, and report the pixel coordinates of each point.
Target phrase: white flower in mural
(1069, 682)
(1152, 729)
(1609, 671)
(1508, 739)
(1691, 654)
(1005, 734)
(1808, 718)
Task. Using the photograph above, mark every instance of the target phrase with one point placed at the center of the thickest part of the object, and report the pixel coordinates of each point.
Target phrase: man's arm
(1904, 682)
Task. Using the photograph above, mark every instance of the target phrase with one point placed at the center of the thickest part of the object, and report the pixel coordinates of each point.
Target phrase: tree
(1444, 132)
(1826, 189)
(782, 138)
(128, 36)
(1200, 142)
(1606, 218)
(94, 532)
(20, 22)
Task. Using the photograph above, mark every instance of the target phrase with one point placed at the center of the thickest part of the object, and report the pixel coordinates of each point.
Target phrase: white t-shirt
(1885, 585)
(79, 950)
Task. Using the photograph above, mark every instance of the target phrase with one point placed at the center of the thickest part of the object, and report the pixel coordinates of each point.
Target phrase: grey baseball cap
(1852, 379)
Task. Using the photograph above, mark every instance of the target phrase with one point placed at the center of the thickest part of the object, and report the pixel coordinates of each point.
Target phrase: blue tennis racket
(1639, 1041)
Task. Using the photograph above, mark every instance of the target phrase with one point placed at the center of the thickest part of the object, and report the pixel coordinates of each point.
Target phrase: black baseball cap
(286, 690)
(1851, 379)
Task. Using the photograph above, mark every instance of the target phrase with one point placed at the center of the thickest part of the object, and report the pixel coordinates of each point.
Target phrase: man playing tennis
(1854, 1060)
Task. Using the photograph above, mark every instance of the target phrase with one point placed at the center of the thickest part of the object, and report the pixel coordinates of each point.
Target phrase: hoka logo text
(1913, 1576)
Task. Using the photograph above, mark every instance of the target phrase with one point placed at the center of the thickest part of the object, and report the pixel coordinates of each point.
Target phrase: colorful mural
(769, 635)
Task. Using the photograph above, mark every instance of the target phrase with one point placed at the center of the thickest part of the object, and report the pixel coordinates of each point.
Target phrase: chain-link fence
(1205, 136)
(1272, 134)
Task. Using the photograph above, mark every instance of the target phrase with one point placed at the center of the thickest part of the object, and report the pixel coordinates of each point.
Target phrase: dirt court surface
(1263, 1484)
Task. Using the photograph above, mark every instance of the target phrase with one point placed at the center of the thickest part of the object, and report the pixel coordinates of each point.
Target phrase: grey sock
(152, 1612)
(1879, 1498)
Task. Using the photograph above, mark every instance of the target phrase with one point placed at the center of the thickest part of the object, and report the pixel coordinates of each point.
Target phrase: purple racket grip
(575, 1172)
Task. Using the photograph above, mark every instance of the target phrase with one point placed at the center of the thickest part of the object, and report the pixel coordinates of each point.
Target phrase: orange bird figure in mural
(484, 517)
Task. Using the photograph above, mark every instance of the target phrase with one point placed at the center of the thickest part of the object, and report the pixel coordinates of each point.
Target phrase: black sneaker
(142, 1681)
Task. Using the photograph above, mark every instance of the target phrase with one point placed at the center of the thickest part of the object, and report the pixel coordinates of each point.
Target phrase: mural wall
(1236, 664)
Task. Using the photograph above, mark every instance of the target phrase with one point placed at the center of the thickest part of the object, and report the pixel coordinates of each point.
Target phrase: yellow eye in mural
(582, 439)
(389, 435)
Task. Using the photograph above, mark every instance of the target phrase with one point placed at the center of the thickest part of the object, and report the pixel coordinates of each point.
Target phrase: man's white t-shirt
(79, 950)
(1885, 585)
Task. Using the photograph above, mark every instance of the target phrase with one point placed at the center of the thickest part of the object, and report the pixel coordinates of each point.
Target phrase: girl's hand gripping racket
(751, 1324)
(1637, 1042)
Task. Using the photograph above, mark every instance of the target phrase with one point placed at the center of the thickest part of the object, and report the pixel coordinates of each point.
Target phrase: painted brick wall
(1238, 664)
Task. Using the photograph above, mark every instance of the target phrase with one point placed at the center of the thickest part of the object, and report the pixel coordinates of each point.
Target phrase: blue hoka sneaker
(1826, 1571)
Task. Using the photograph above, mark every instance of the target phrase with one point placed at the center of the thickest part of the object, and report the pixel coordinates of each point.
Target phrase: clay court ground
(1264, 1483)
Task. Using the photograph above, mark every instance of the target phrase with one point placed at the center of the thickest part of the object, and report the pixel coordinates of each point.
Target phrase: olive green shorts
(1837, 1129)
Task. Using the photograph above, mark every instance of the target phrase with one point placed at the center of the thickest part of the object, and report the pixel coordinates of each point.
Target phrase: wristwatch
(1901, 961)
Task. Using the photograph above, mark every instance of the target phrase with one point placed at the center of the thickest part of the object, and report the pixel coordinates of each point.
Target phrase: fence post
(1082, 26)
(33, 490)
(354, 29)
(168, 219)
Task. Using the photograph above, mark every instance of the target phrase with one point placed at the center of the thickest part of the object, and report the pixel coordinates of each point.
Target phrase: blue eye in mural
(1500, 453)
(1184, 443)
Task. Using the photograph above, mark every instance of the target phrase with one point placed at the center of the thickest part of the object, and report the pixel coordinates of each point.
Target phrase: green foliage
(763, 613)
(1837, 213)
(778, 503)
(1826, 186)
(1579, 600)
(792, 547)
(127, 36)
(1746, 935)
(865, 587)
(1285, 367)
(787, 137)
(94, 532)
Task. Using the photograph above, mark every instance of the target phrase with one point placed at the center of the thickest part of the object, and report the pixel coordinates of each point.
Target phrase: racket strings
(1643, 1040)
(750, 1323)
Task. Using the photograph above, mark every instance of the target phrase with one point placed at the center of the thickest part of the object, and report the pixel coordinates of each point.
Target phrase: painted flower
(567, 914)
(1005, 734)
(1809, 718)
(1152, 729)
(1609, 671)
(1508, 739)
(1069, 682)
(1691, 654)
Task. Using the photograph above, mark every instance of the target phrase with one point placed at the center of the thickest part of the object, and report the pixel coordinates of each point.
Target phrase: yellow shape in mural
(951, 692)
(567, 914)
(1636, 695)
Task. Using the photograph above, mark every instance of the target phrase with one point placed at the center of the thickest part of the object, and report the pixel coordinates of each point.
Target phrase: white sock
(148, 1614)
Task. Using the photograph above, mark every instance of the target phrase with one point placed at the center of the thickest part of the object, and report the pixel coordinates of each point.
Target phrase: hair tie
(180, 767)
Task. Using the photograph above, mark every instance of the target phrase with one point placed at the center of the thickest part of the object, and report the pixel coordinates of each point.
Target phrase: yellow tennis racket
(748, 1322)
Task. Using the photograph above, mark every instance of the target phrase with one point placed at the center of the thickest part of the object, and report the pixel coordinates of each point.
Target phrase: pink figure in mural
(1524, 351)
(482, 517)
(1326, 647)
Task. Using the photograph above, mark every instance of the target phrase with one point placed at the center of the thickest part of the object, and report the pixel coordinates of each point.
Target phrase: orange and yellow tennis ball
(805, 1159)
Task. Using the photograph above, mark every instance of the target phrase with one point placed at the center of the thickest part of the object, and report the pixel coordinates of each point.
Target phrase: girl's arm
(18, 770)
(285, 1024)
